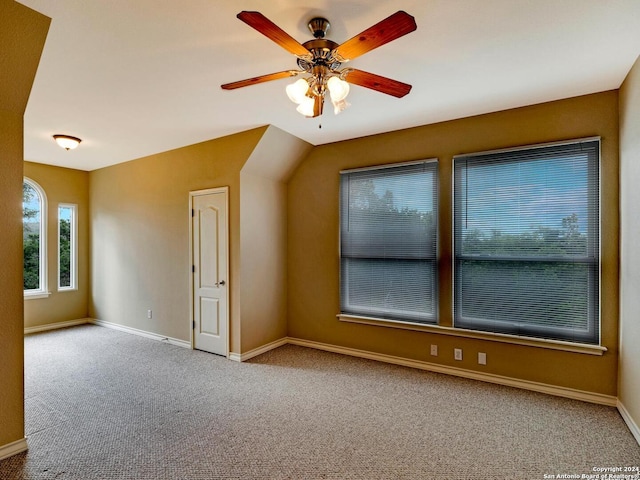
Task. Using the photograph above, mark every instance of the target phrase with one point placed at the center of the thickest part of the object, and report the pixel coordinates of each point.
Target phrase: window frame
(373, 313)
(593, 335)
(73, 254)
(42, 291)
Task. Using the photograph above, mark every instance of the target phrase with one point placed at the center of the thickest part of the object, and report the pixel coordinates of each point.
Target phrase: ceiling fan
(321, 59)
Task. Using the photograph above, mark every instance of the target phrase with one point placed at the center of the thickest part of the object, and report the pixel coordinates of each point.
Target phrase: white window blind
(388, 242)
(526, 241)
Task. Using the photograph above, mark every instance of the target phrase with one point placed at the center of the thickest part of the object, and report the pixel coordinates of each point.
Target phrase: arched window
(34, 237)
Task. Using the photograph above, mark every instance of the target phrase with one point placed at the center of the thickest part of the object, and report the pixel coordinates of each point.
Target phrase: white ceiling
(137, 77)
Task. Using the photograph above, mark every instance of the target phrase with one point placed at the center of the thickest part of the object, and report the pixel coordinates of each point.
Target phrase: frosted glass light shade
(339, 106)
(297, 91)
(66, 141)
(338, 89)
(306, 106)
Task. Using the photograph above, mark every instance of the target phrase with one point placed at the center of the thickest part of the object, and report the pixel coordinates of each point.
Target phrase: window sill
(493, 337)
(36, 295)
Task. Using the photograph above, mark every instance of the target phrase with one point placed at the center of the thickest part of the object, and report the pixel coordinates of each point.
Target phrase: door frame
(192, 195)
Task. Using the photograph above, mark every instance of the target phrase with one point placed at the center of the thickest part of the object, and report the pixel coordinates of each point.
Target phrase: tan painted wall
(61, 185)
(22, 36)
(629, 383)
(11, 303)
(140, 233)
(140, 228)
(263, 223)
(263, 226)
(313, 289)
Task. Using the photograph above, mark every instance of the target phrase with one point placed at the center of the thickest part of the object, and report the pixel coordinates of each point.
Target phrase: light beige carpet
(102, 404)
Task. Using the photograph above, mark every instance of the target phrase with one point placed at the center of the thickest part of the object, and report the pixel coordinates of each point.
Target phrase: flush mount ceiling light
(66, 141)
(321, 59)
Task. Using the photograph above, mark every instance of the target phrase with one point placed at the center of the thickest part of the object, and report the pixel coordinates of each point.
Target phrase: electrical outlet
(482, 358)
(457, 354)
(434, 350)
(149, 314)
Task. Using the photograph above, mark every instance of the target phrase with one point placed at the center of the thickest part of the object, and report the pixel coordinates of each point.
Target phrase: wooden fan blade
(260, 79)
(270, 30)
(377, 83)
(392, 27)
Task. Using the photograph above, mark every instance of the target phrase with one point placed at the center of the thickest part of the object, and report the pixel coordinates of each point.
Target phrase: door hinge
(193, 324)
(193, 269)
(193, 212)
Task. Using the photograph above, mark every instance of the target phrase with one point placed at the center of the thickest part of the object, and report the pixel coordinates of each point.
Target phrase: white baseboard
(13, 448)
(628, 419)
(56, 325)
(460, 372)
(141, 333)
(243, 357)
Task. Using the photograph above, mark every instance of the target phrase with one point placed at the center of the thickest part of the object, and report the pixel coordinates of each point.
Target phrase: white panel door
(210, 267)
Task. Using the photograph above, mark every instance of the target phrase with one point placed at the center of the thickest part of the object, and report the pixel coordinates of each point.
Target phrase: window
(526, 241)
(67, 247)
(388, 242)
(34, 215)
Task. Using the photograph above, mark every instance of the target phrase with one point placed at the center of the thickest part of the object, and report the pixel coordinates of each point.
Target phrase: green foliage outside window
(65, 252)
(31, 236)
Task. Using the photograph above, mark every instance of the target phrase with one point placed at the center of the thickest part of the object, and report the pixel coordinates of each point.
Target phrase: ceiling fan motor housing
(320, 49)
(321, 63)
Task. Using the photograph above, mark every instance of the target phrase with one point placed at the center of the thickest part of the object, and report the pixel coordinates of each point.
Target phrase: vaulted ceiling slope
(137, 77)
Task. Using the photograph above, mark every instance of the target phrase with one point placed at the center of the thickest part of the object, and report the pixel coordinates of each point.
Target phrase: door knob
(222, 282)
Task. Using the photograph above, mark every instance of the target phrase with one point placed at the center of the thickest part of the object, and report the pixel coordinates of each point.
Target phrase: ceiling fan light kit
(321, 60)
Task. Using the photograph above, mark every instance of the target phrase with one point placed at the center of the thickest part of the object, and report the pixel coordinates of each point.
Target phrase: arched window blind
(388, 242)
(526, 241)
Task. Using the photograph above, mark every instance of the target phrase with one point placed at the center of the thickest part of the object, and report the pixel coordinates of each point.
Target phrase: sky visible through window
(516, 198)
(65, 213)
(511, 198)
(31, 203)
(402, 187)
